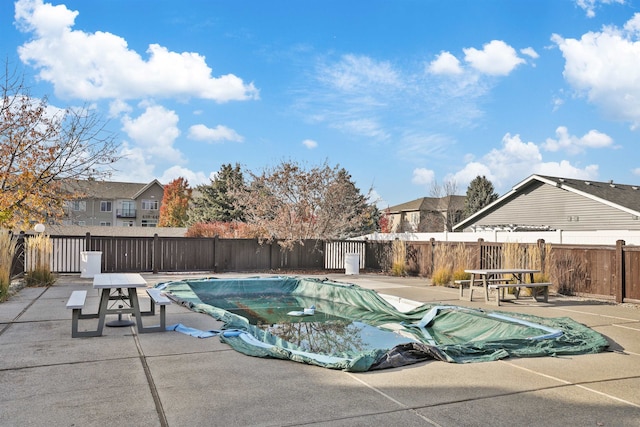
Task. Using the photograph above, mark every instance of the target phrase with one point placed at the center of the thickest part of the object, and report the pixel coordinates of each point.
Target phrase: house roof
(624, 197)
(108, 189)
(429, 204)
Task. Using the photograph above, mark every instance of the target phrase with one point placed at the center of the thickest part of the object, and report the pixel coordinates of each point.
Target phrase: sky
(403, 94)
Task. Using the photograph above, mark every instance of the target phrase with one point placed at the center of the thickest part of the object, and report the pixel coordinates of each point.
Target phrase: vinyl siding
(546, 205)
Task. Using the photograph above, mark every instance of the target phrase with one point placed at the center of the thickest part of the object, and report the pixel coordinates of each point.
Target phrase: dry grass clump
(399, 256)
(449, 263)
(38, 251)
(7, 251)
(442, 264)
(441, 277)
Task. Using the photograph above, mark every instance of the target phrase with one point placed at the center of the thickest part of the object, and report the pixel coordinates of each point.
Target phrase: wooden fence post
(87, 242)
(432, 257)
(479, 254)
(620, 272)
(155, 258)
(543, 255)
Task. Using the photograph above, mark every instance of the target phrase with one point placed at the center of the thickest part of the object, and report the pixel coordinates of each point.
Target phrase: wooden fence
(178, 254)
(611, 272)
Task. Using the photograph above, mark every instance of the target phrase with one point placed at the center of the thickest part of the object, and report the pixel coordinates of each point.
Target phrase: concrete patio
(171, 379)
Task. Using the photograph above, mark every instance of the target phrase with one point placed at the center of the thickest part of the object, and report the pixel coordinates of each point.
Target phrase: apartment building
(112, 204)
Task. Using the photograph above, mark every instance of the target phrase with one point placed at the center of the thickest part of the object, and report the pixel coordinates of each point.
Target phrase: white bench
(157, 298)
(533, 286)
(76, 303)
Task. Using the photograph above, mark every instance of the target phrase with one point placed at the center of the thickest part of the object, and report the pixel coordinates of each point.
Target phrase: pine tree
(480, 193)
(215, 201)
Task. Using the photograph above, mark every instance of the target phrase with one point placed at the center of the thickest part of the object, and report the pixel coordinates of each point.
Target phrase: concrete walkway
(170, 379)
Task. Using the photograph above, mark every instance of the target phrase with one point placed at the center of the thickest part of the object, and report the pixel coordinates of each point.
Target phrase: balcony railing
(125, 213)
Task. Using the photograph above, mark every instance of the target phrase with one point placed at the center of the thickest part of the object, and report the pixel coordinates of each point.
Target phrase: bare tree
(446, 209)
(40, 146)
(292, 203)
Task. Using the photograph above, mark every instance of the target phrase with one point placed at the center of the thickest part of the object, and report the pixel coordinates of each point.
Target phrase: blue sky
(400, 93)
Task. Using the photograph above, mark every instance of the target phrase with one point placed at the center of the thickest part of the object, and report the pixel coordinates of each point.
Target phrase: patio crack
(162, 417)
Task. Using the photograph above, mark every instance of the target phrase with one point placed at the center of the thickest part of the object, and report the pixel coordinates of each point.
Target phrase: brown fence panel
(18, 262)
(420, 258)
(124, 254)
(180, 254)
(242, 255)
(577, 270)
(631, 274)
(308, 255)
(378, 255)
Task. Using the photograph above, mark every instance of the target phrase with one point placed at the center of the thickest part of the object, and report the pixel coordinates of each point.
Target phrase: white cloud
(118, 107)
(496, 58)
(423, 176)
(353, 73)
(155, 131)
(514, 161)
(604, 67)
(573, 144)
(134, 165)
(565, 169)
(369, 127)
(589, 6)
(530, 52)
(193, 178)
(218, 134)
(310, 144)
(90, 66)
(445, 63)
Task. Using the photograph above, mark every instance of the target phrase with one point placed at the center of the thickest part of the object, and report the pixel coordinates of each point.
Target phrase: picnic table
(118, 295)
(502, 278)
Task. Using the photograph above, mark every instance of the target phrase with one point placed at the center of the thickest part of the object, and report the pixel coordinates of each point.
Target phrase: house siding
(561, 210)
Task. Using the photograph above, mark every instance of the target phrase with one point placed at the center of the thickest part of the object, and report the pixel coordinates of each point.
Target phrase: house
(107, 203)
(552, 203)
(426, 214)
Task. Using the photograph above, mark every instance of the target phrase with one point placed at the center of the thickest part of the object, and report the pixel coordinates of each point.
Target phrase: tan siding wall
(560, 209)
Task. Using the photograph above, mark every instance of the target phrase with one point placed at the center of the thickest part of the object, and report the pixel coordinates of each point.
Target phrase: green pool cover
(343, 326)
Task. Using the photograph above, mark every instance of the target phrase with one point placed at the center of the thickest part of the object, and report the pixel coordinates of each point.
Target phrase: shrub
(398, 269)
(441, 277)
(460, 274)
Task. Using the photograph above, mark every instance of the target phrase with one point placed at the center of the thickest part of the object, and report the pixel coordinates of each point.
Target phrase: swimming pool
(343, 326)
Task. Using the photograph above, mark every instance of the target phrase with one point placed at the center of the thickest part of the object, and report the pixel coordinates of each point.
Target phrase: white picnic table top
(118, 280)
(491, 271)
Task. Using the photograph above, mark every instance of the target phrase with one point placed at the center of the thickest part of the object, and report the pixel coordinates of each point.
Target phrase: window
(150, 205)
(105, 206)
(128, 223)
(82, 223)
(77, 205)
(105, 223)
(149, 223)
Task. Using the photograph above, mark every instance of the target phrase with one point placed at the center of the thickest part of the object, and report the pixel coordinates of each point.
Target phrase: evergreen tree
(215, 201)
(480, 193)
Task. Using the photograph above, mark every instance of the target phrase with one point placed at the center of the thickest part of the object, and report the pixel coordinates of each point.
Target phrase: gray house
(551, 203)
